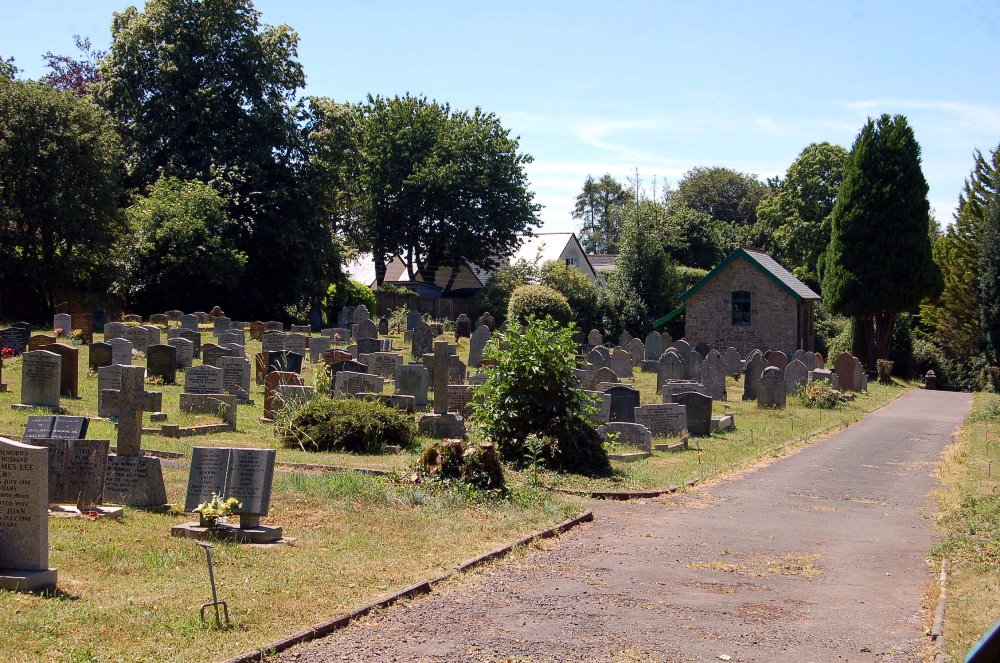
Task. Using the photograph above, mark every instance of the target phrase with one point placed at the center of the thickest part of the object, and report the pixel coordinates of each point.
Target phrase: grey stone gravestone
(77, 470)
(317, 347)
(699, 412)
(602, 402)
(98, 355)
(236, 377)
(413, 380)
(636, 350)
(653, 346)
(596, 360)
(421, 340)
(184, 351)
(63, 321)
(796, 375)
(442, 424)
(621, 363)
(702, 348)
(367, 346)
(731, 361)
(630, 434)
(844, 367)
(121, 351)
(272, 381)
(24, 530)
(674, 387)
(366, 329)
(384, 363)
(108, 378)
(713, 375)
(133, 479)
(477, 344)
(361, 312)
(671, 368)
(274, 326)
(211, 354)
(624, 400)
(161, 362)
(233, 337)
(41, 375)
(825, 375)
(383, 326)
(220, 324)
(244, 474)
(603, 352)
(272, 341)
(203, 379)
(603, 375)
(295, 343)
(594, 338)
(189, 321)
(692, 368)
(662, 418)
(463, 326)
(751, 376)
(624, 339)
(771, 392)
(776, 358)
(349, 383)
(137, 337)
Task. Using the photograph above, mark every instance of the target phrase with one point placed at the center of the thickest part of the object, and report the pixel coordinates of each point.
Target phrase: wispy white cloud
(984, 119)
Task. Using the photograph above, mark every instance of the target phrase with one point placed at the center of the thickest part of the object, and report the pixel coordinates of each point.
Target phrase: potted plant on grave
(76, 337)
(211, 512)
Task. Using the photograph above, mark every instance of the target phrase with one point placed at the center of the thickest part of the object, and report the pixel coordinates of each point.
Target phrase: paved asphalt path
(818, 556)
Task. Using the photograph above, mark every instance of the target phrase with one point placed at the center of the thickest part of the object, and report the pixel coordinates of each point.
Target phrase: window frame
(743, 316)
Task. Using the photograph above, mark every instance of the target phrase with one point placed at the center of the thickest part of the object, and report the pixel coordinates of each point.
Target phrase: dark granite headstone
(99, 354)
(699, 412)
(161, 362)
(624, 400)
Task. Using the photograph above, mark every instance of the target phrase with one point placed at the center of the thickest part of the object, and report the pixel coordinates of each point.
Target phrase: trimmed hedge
(538, 301)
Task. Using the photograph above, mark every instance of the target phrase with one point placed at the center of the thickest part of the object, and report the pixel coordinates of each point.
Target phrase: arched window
(741, 308)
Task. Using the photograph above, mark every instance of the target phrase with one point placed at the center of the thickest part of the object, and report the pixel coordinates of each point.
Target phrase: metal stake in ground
(215, 598)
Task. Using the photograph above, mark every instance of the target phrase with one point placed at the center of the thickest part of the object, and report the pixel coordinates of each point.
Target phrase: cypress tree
(879, 261)
(989, 276)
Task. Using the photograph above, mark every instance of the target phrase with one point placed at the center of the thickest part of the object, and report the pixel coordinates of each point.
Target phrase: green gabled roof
(669, 316)
(768, 266)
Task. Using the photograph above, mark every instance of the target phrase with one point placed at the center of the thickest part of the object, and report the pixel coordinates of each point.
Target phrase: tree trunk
(885, 321)
(451, 279)
(868, 322)
(379, 266)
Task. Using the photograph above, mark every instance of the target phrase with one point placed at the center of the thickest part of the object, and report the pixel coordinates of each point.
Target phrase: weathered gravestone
(295, 343)
(412, 318)
(108, 378)
(662, 418)
(594, 338)
(349, 383)
(636, 350)
(383, 326)
(161, 362)
(272, 381)
(184, 351)
(190, 322)
(98, 355)
(702, 348)
(317, 347)
(796, 375)
(292, 395)
(233, 337)
(633, 435)
(597, 360)
(463, 326)
(41, 372)
(653, 346)
(83, 322)
(624, 400)
(220, 324)
(486, 319)
(603, 375)
(713, 375)
(384, 363)
(673, 387)
(772, 392)
(624, 339)
(243, 474)
(57, 427)
(621, 363)
(602, 352)
(731, 361)
(212, 353)
(845, 368)
(421, 340)
(137, 337)
(121, 351)
(203, 379)
(133, 479)
(692, 367)
(272, 341)
(39, 341)
(460, 399)
(284, 361)
(14, 339)
(77, 470)
(441, 424)
(602, 402)
(274, 326)
(159, 319)
(699, 412)
(671, 368)
(825, 375)
(477, 344)
(361, 312)
(256, 330)
(24, 525)
(751, 376)
(236, 377)
(776, 358)
(413, 380)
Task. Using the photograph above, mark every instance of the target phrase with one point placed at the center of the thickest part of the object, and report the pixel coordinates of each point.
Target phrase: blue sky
(656, 86)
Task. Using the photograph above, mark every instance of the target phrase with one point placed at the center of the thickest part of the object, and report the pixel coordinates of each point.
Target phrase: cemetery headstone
(212, 353)
(624, 339)
(772, 392)
(133, 479)
(39, 341)
(487, 320)
(699, 412)
(271, 383)
(236, 377)
(220, 324)
(477, 344)
(383, 326)
(633, 435)
(185, 351)
(24, 530)
(161, 362)
(460, 399)
(441, 424)
(274, 326)
(731, 361)
(189, 322)
(203, 379)
(121, 351)
(159, 319)
(624, 401)
(702, 348)
(412, 318)
(621, 364)
(244, 474)
(662, 418)
(273, 341)
(692, 368)
(63, 322)
(421, 340)
(41, 376)
(366, 329)
(384, 363)
(463, 326)
(671, 368)
(594, 338)
(77, 470)
(751, 376)
(636, 350)
(108, 378)
(295, 343)
(796, 375)
(256, 330)
(98, 355)
(844, 367)
(603, 375)
(825, 375)
(13, 338)
(776, 358)
(317, 347)
(350, 383)
(413, 380)
(653, 345)
(713, 375)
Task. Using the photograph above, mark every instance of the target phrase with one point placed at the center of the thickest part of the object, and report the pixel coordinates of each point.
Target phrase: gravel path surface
(818, 556)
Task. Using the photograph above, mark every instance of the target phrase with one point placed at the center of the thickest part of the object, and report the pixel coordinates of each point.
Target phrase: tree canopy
(879, 261)
(438, 188)
(60, 190)
(598, 206)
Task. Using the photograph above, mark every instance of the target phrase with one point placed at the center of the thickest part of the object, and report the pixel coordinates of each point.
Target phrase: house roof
(767, 266)
(602, 262)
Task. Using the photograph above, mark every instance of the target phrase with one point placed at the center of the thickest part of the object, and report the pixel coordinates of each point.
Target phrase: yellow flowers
(217, 507)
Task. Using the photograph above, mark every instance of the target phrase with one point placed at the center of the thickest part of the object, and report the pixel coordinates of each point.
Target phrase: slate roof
(602, 262)
(768, 266)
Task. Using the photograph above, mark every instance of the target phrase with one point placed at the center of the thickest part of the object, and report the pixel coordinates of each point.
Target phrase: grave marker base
(256, 535)
(442, 426)
(68, 511)
(22, 406)
(27, 581)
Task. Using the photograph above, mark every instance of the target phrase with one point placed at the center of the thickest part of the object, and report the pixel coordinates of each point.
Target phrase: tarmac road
(818, 556)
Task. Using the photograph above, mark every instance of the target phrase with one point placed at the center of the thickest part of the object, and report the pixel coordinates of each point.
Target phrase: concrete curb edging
(937, 631)
(424, 587)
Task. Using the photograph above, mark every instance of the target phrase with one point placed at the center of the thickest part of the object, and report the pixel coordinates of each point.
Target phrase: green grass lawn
(969, 498)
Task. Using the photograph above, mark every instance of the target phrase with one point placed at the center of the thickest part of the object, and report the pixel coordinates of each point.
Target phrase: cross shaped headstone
(131, 401)
(442, 362)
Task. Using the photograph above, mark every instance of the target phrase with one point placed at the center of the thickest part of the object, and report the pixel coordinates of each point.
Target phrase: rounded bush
(539, 301)
(348, 424)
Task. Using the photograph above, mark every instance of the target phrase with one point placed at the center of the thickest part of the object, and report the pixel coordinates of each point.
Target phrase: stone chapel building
(749, 301)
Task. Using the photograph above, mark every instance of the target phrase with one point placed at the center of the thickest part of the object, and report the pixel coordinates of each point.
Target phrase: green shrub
(819, 394)
(538, 301)
(495, 294)
(884, 370)
(347, 293)
(532, 391)
(476, 465)
(347, 424)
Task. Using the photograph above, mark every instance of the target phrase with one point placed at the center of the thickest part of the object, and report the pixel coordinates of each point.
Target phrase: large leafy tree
(598, 206)
(796, 217)
(954, 319)
(60, 173)
(76, 75)
(205, 91)
(643, 262)
(727, 195)
(438, 188)
(181, 250)
(879, 261)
